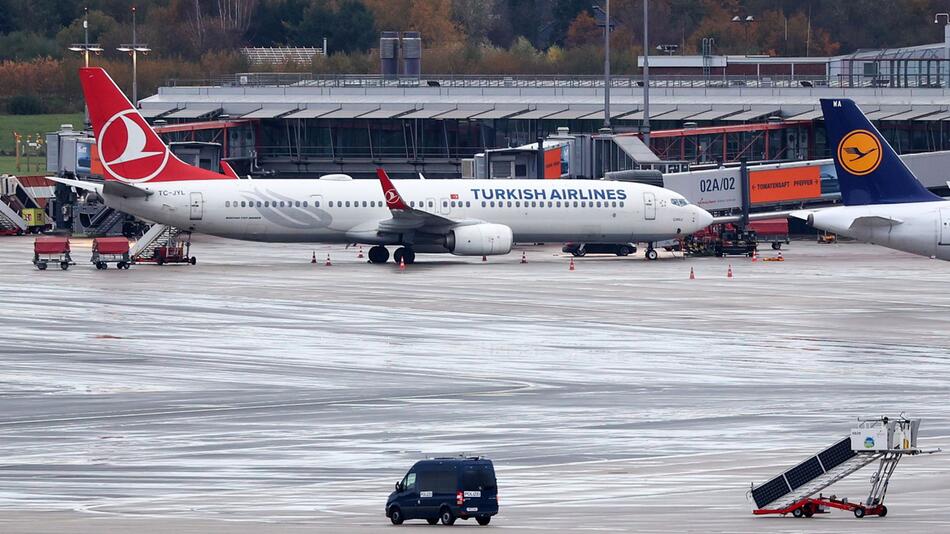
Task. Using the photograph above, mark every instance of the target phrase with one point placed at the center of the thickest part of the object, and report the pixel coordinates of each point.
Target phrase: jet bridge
(880, 440)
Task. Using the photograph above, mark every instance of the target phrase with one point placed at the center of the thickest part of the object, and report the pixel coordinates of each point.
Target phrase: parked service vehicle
(110, 249)
(446, 489)
(582, 249)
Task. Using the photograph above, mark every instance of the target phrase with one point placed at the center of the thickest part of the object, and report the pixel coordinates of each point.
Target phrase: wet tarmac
(257, 392)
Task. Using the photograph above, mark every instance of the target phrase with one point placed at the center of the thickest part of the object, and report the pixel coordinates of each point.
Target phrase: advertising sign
(779, 185)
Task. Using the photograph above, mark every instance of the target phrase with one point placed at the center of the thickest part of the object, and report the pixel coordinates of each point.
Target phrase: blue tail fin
(869, 171)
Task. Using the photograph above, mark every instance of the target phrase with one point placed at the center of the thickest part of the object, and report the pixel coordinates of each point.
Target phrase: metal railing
(292, 79)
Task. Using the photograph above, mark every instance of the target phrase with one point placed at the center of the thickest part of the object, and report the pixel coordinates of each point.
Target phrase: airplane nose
(703, 218)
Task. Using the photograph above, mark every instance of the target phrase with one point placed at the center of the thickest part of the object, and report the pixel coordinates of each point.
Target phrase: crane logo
(859, 152)
(127, 153)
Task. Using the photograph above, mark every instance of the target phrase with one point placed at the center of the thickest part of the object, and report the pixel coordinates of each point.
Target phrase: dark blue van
(446, 489)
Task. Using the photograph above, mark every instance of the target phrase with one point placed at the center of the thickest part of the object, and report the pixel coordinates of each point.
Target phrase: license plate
(472, 494)
(471, 509)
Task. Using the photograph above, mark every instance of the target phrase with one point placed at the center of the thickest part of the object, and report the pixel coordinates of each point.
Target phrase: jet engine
(479, 240)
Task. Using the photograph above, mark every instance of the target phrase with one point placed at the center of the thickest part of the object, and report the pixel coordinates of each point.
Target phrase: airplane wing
(405, 217)
(755, 216)
(875, 220)
(79, 184)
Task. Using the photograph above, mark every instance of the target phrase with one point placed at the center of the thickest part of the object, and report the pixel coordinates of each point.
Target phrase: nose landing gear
(651, 253)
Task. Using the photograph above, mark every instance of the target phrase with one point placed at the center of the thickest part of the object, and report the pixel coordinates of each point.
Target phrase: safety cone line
(524, 257)
(328, 261)
(402, 264)
(571, 268)
(692, 274)
(729, 272)
(360, 255)
(313, 259)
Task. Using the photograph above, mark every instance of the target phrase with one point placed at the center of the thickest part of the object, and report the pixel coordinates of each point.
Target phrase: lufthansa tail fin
(127, 147)
(869, 171)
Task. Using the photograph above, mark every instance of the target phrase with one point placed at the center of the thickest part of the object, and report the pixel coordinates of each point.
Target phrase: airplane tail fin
(127, 147)
(869, 171)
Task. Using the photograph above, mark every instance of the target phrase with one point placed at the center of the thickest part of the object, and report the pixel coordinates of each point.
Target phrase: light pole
(946, 41)
(746, 22)
(133, 49)
(84, 48)
(645, 127)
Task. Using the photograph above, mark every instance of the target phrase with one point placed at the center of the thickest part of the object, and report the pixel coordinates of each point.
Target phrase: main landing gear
(379, 254)
(405, 254)
(651, 253)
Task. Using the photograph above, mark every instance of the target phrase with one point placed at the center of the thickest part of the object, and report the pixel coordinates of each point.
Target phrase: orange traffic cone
(572, 265)
(692, 275)
(484, 258)
(328, 261)
(360, 255)
(754, 256)
(524, 258)
(780, 258)
(402, 264)
(313, 259)
(729, 272)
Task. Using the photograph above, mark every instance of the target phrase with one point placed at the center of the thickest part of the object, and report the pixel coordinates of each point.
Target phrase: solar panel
(768, 492)
(837, 454)
(799, 475)
(279, 55)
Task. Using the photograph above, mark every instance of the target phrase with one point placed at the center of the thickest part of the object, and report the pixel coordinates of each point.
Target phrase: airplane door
(444, 208)
(197, 206)
(649, 206)
(945, 226)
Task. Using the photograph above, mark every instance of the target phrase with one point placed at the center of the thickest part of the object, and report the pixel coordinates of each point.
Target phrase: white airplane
(461, 217)
(884, 203)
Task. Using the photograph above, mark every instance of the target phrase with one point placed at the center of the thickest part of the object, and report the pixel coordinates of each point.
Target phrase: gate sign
(779, 185)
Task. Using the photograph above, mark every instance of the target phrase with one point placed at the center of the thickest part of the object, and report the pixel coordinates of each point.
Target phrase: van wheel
(432, 520)
(776, 246)
(623, 251)
(395, 515)
(484, 520)
(447, 517)
(859, 512)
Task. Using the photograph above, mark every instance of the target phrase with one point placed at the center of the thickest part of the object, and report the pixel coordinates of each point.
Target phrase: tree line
(201, 38)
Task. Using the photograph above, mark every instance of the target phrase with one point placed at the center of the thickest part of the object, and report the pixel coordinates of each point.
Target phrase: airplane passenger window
(364, 203)
(258, 203)
(509, 203)
(316, 203)
(621, 203)
(227, 203)
(452, 203)
(468, 204)
(242, 203)
(483, 203)
(534, 204)
(267, 204)
(282, 203)
(550, 204)
(412, 203)
(614, 204)
(598, 203)
(492, 203)
(347, 203)
(575, 203)
(583, 203)
(445, 204)
(305, 203)
(330, 204)
(431, 204)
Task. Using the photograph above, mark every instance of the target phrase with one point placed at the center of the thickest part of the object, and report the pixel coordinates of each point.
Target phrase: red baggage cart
(111, 249)
(48, 250)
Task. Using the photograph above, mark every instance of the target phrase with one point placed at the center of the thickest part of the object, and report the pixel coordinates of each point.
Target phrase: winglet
(228, 170)
(393, 199)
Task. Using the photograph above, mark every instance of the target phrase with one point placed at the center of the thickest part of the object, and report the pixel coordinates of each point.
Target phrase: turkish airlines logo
(392, 196)
(127, 153)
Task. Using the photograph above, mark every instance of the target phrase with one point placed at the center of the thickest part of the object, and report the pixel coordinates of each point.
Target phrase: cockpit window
(679, 202)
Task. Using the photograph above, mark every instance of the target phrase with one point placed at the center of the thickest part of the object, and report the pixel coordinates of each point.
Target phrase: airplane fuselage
(923, 228)
(349, 211)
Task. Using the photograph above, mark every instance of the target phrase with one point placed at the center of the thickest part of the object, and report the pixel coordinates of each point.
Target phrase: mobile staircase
(880, 440)
(11, 202)
(155, 244)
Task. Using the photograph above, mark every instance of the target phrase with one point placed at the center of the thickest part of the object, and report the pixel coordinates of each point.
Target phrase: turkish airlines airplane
(884, 203)
(461, 217)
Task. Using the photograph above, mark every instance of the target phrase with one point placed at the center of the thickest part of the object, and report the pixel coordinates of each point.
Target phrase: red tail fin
(393, 200)
(129, 150)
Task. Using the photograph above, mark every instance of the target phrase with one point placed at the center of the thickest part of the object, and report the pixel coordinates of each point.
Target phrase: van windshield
(478, 477)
